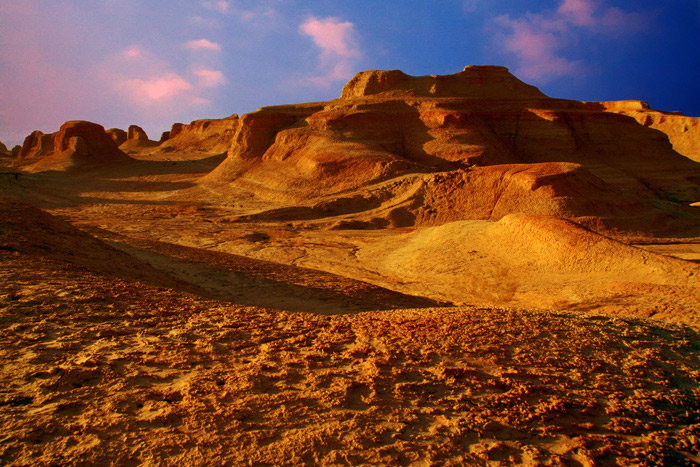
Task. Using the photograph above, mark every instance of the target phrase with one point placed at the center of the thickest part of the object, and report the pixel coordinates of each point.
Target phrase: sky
(154, 62)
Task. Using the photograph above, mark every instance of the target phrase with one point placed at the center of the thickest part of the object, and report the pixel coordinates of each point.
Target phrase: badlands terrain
(435, 270)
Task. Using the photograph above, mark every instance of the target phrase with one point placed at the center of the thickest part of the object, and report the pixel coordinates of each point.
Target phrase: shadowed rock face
(37, 144)
(77, 144)
(119, 136)
(389, 125)
(137, 133)
(683, 132)
(95, 138)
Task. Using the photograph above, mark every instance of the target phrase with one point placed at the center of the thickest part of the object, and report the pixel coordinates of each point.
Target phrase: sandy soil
(102, 371)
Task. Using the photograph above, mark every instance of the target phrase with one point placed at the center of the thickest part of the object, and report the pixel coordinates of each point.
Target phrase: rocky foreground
(106, 372)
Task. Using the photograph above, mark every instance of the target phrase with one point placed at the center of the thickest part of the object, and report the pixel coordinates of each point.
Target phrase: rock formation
(80, 144)
(3, 149)
(210, 136)
(164, 137)
(176, 129)
(682, 131)
(119, 136)
(137, 133)
(390, 133)
(16, 151)
(37, 145)
(137, 141)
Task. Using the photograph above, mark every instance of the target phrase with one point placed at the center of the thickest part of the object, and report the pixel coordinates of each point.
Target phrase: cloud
(577, 11)
(210, 78)
(536, 46)
(220, 6)
(133, 52)
(158, 88)
(203, 44)
(339, 51)
(538, 41)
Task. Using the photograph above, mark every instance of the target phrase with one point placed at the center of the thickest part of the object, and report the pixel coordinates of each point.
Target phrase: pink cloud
(578, 11)
(332, 36)
(220, 6)
(537, 41)
(339, 50)
(157, 88)
(203, 44)
(536, 47)
(210, 78)
(133, 52)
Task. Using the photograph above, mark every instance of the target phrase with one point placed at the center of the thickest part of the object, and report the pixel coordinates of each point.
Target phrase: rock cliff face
(391, 126)
(137, 133)
(36, 145)
(211, 136)
(119, 136)
(683, 132)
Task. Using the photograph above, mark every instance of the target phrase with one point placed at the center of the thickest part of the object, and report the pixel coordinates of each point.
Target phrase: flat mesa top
(475, 82)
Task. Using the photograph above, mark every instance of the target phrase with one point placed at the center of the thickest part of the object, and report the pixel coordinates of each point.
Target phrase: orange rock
(176, 129)
(554, 156)
(119, 136)
(137, 133)
(683, 132)
(475, 82)
(80, 144)
(209, 136)
(36, 145)
(95, 140)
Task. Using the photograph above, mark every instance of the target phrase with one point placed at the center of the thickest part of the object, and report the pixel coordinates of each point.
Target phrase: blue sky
(156, 62)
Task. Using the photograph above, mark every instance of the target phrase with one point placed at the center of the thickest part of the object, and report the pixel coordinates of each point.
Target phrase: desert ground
(440, 270)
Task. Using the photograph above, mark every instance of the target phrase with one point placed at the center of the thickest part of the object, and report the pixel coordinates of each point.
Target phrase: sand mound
(541, 261)
(542, 244)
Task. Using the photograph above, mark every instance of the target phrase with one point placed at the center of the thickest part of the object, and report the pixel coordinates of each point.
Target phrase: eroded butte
(435, 270)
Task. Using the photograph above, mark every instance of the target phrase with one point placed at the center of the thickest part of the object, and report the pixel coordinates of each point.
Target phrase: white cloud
(537, 41)
(203, 44)
(210, 78)
(339, 53)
